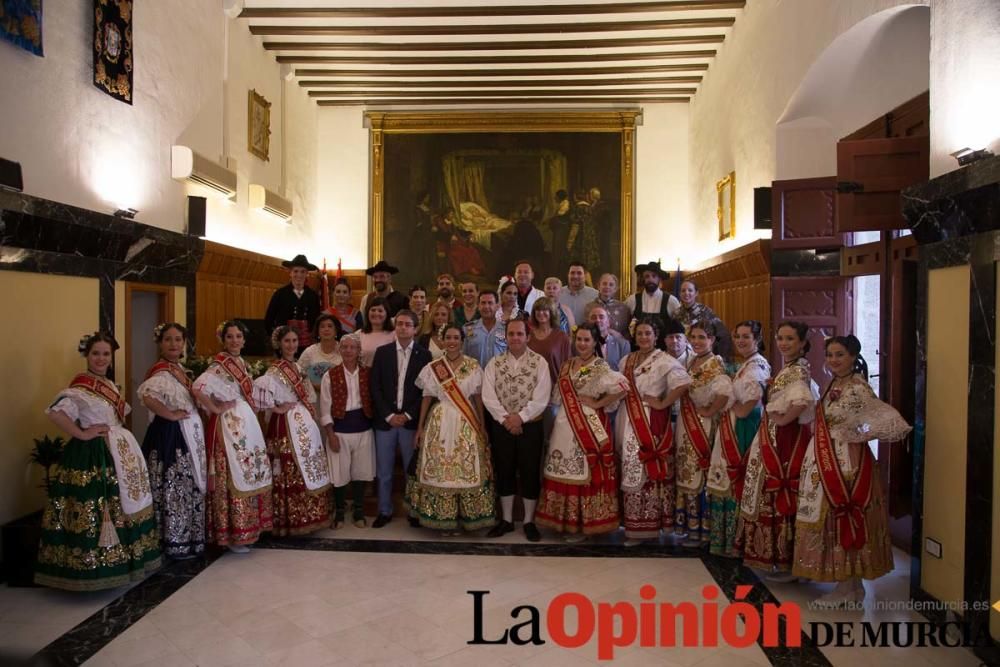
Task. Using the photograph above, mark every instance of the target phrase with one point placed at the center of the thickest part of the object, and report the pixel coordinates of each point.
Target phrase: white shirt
(402, 363)
(651, 302)
(353, 395)
(539, 397)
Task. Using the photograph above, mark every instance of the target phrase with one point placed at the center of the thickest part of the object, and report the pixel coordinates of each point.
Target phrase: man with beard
(295, 304)
(652, 303)
(381, 275)
(446, 289)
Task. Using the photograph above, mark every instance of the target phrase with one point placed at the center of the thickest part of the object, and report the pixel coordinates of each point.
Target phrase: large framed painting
(472, 194)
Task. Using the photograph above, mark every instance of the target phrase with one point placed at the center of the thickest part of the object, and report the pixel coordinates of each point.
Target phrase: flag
(340, 271)
(677, 280)
(326, 287)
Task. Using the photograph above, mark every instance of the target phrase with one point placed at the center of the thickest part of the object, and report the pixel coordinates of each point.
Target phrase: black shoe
(531, 532)
(414, 521)
(381, 520)
(501, 529)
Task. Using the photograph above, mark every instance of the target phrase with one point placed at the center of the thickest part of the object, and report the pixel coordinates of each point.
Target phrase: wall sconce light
(966, 156)
(262, 199)
(126, 213)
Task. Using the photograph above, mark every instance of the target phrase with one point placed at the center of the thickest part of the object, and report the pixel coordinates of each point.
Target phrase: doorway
(145, 307)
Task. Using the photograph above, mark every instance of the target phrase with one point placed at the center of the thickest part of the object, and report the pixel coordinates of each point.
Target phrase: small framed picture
(726, 211)
(258, 125)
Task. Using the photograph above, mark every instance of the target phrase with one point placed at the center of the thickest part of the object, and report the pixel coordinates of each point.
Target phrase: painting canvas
(473, 204)
(21, 24)
(258, 126)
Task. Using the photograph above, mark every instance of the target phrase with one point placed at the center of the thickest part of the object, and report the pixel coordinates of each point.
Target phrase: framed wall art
(726, 211)
(471, 194)
(258, 125)
(21, 24)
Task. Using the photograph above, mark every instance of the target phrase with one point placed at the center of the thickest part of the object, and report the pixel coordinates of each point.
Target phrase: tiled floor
(303, 607)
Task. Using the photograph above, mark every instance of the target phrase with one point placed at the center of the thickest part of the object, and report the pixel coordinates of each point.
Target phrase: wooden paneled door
(870, 176)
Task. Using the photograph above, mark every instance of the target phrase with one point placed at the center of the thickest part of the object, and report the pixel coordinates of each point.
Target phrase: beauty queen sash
(246, 452)
(303, 432)
(438, 465)
(848, 505)
(191, 426)
(653, 451)
(238, 372)
(449, 383)
(130, 465)
(696, 432)
(588, 431)
(782, 481)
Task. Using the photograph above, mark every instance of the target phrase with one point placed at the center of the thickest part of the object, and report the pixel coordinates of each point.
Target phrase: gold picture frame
(258, 125)
(726, 210)
(623, 123)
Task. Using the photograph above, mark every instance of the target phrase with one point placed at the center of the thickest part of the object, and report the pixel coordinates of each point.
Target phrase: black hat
(672, 326)
(300, 260)
(382, 266)
(651, 266)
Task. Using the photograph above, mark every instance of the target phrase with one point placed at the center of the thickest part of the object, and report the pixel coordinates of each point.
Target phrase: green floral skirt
(69, 555)
(452, 509)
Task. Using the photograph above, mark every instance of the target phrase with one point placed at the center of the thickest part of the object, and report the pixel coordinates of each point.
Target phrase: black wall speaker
(762, 208)
(10, 175)
(196, 214)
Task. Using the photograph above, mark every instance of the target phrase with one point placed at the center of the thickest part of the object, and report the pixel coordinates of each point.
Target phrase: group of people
(629, 417)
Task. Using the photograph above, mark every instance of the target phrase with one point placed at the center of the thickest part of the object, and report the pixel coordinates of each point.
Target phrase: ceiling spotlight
(966, 156)
(127, 213)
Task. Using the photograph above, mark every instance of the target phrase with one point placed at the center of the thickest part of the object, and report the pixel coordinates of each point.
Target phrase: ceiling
(448, 52)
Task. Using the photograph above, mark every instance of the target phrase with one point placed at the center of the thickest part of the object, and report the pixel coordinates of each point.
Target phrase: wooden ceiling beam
(487, 10)
(481, 73)
(523, 45)
(510, 83)
(489, 29)
(486, 61)
(562, 92)
(388, 101)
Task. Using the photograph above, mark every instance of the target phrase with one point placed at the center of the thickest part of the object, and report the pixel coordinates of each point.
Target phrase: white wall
(746, 90)
(662, 188)
(341, 229)
(965, 79)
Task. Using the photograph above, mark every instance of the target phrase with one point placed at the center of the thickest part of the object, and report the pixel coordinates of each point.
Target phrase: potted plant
(21, 536)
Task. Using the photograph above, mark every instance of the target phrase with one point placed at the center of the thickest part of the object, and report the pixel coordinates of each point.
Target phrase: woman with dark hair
(545, 338)
(737, 428)
(301, 478)
(579, 486)
(377, 330)
(645, 437)
(710, 392)
(98, 529)
(842, 521)
(348, 317)
(239, 471)
(508, 309)
(435, 322)
(765, 531)
(174, 447)
(324, 354)
(452, 488)
(691, 310)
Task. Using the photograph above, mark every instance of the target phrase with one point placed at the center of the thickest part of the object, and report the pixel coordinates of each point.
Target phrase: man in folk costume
(296, 304)
(516, 391)
(382, 274)
(652, 302)
(346, 412)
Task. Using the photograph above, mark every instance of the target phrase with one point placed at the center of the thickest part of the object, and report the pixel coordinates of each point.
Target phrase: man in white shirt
(654, 304)
(516, 390)
(526, 292)
(577, 294)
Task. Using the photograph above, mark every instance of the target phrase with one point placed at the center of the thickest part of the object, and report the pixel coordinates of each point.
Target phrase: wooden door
(804, 213)
(870, 176)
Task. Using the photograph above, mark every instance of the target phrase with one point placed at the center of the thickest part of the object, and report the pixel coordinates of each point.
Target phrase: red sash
(736, 465)
(347, 322)
(652, 452)
(695, 430)
(781, 480)
(848, 506)
(238, 372)
(292, 375)
(103, 390)
(446, 378)
(175, 371)
(599, 453)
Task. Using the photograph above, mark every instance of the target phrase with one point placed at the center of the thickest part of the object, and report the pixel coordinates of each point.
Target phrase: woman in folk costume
(345, 408)
(842, 523)
(737, 428)
(98, 529)
(765, 532)
(174, 447)
(579, 486)
(299, 472)
(432, 328)
(239, 472)
(645, 437)
(348, 317)
(453, 487)
(323, 355)
(701, 411)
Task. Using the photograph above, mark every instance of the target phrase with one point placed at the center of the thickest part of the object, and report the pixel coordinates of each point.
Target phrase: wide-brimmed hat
(382, 266)
(651, 266)
(300, 260)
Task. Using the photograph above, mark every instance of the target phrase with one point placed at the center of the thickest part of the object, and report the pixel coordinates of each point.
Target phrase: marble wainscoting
(43, 236)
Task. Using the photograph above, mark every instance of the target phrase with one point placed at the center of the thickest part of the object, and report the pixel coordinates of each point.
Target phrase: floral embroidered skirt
(693, 516)
(724, 507)
(590, 508)
(231, 519)
(649, 509)
(69, 556)
(297, 510)
(178, 503)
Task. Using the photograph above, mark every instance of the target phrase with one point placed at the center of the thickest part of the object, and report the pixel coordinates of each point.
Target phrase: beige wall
(39, 351)
(946, 441)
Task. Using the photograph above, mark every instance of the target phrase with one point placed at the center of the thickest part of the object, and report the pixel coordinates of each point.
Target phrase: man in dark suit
(396, 400)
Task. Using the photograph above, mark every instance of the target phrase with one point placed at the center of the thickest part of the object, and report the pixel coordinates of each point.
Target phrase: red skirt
(297, 510)
(231, 519)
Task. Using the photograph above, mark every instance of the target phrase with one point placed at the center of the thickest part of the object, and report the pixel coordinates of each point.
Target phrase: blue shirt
(483, 345)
